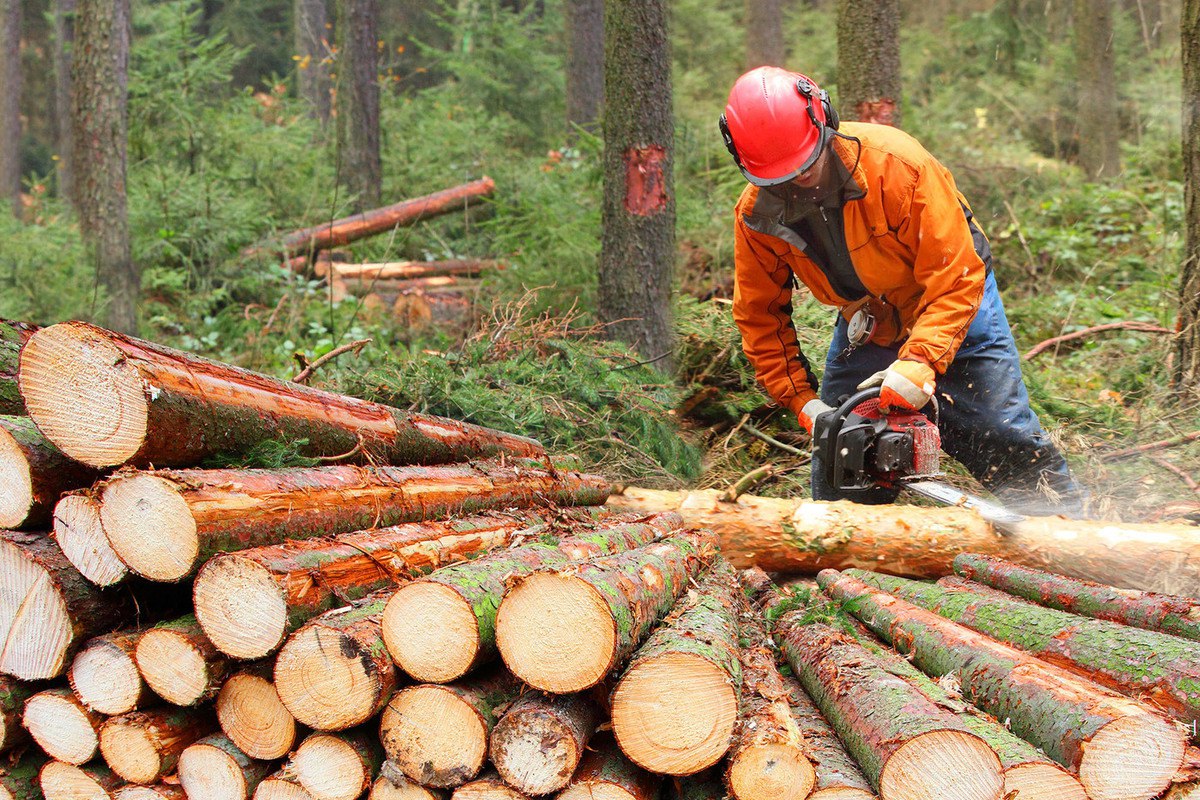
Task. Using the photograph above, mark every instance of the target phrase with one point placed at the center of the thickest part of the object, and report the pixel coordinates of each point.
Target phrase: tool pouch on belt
(874, 321)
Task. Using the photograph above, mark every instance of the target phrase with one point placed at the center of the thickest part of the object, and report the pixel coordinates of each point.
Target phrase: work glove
(812, 409)
(905, 385)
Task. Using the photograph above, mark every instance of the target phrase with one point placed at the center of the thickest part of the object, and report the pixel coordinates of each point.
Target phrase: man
(873, 225)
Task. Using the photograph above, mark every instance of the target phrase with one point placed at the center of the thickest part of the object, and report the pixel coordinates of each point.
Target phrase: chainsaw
(862, 449)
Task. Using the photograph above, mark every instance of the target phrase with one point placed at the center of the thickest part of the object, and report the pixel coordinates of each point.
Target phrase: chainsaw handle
(858, 398)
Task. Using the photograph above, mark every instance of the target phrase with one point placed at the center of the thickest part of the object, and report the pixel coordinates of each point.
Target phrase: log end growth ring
(35, 626)
(398, 787)
(771, 772)
(556, 633)
(17, 497)
(79, 533)
(68, 780)
(596, 790)
(253, 717)
(172, 666)
(329, 768)
(942, 764)
(488, 789)
(535, 758)
(1133, 756)
(433, 736)
(1042, 781)
(84, 395)
(321, 679)
(208, 771)
(431, 632)
(61, 728)
(106, 679)
(240, 606)
(129, 751)
(150, 527)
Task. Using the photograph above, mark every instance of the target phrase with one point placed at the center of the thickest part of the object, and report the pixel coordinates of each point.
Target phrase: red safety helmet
(776, 123)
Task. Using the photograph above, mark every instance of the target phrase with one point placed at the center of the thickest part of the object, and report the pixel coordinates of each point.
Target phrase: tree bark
(13, 336)
(764, 34)
(538, 743)
(164, 525)
(638, 245)
(336, 766)
(99, 118)
(34, 474)
(155, 405)
(838, 776)
(10, 105)
(64, 42)
(614, 602)
(1179, 616)
(906, 745)
(361, 172)
(251, 714)
(606, 772)
(1159, 669)
(1099, 129)
(441, 627)
(1084, 727)
(585, 63)
(179, 662)
(868, 67)
(804, 537)
(688, 671)
(104, 674)
(80, 535)
(312, 48)
(438, 734)
(215, 767)
(62, 726)
(13, 696)
(59, 779)
(143, 746)
(1187, 349)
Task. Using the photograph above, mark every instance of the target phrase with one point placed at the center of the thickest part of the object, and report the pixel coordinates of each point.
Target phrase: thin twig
(787, 448)
(283, 298)
(1127, 325)
(307, 372)
(748, 482)
(1021, 237)
(1183, 476)
(1117, 455)
(343, 456)
(642, 363)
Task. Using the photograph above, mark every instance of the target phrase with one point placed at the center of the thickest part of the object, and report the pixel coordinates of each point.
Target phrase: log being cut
(252, 715)
(564, 630)
(104, 673)
(34, 475)
(1119, 749)
(539, 741)
(106, 399)
(164, 525)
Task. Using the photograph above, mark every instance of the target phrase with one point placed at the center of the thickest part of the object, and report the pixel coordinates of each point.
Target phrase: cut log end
(1035, 781)
(431, 632)
(61, 727)
(329, 768)
(62, 781)
(161, 791)
(771, 772)
(556, 633)
(172, 666)
(129, 750)
(278, 787)
(674, 714)
(35, 626)
(1133, 756)
(253, 717)
(78, 531)
(106, 679)
(842, 793)
(398, 787)
(940, 764)
(210, 772)
(434, 737)
(84, 395)
(596, 790)
(241, 607)
(15, 476)
(538, 760)
(150, 527)
(322, 678)
(487, 789)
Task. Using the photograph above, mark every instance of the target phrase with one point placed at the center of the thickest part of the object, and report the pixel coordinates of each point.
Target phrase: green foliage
(271, 454)
(45, 274)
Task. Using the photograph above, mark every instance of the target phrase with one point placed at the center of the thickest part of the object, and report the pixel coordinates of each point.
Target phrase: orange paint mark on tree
(645, 186)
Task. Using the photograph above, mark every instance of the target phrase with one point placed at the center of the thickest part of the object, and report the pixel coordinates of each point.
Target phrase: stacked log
(606, 774)
(537, 745)
(251, 714)
(179, 663)
(488, 786)
(62, 781)
(62, 726)
(143, 746)
(283, 785)
(34, 475)
(104, 674)
(214, 767)
(13, 336)
(337, 766)
(837, 775)
(13, 696)
(80, 535)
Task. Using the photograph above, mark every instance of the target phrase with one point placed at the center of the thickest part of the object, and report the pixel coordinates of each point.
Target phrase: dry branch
(1125, 325)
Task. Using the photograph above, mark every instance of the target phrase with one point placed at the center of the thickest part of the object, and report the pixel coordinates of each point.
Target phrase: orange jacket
(911, 246)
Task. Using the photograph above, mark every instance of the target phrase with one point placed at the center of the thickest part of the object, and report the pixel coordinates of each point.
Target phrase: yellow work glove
(812, 409)
(905, 385)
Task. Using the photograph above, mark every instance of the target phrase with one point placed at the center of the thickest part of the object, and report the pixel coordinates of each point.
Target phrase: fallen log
(47, 609)
(13, 336)
(282, 785)
(251, 714)
(250, 600)
(437, 734)
(62, 781)
(34, 475)
(804, 536)
(158, 791)
(908, 746)
(337, 766)
(404, 270)
(418, 309)
(164, 525)
(442, 626)
(80, 535)
(143, 746)
(1117, 747)
(564, 631)
(179, 662)
(488, 786)
(62, 726)
(13, 696)
(540, 740)
(675, 708)
(150, 404)
(392, 784)
(104, 674)
(838, 777)
(1179, 616)
(214, 767)
(606, 774)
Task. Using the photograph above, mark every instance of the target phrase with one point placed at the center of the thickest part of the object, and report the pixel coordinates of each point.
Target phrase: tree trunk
(1099, 128)
(487, 786)
(64, 42)
(538, 743)
(1179, 616)
(34, 474)
(179, 662)
(338, 766)
(565, 631)
(13, 336)
(688, 672)
(164, 525)
(105, 676)
(908, 746)
(804, 537)
(10, 105)
(441, 627)
(250, 600)
(312, 48)
(143, 746)
(80, 535)
(99, 118)
(251, 714)
(335, 673)
(361, 170)
(638, 245)
(606, 772)
(868, 66)
(838, 777)
(62, 726)
(585, 63)
(67, 781)
(1187, 349)
(1164, 670)
(438, 734)
(13, 696)
(1089, 729)
(764, 33)
(215, 767)
(153, 405)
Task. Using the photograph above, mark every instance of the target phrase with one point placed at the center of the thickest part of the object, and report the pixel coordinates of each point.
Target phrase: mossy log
(143, 746)
(1160, 669)
(19, 779)
(1117, 747)
(104, 673)
(34, 475)
(564, 630)
(80, 535)
(606, 774)
(338, 766)
(442, 626)
(215, 767)
(251, 714)
(804, 536)
(838, 776)
(335, 673)
(438, 734)
(1176, 615)
(47, 609)
(164, 525)
(675, 708)
(540, 740)
(179, 662)
(62, 726)
(907, 746)
(13, 336)
(13, 696)
(488, 786)
(149, 404)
